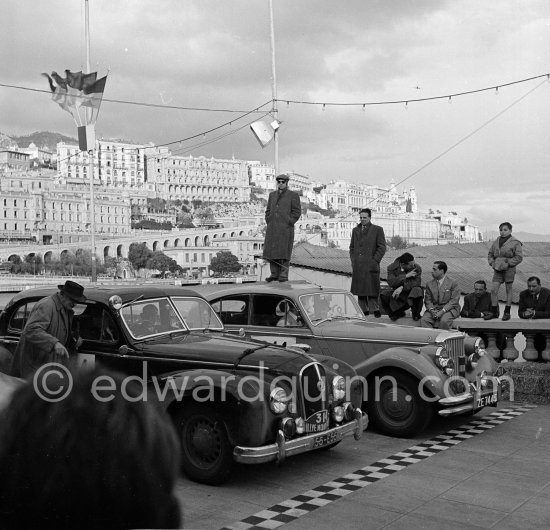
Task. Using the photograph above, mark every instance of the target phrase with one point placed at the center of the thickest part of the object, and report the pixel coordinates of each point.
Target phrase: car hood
(214, 348)
(358, 329)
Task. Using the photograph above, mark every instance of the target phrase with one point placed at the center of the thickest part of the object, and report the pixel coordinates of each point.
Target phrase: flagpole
(274, 87)
(91, 151)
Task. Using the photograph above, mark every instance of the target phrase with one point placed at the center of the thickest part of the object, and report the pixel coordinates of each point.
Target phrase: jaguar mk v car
(230, 399)
(411, 372)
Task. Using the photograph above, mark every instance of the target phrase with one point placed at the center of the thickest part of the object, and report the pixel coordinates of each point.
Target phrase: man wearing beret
(282, 212)
(47, 335)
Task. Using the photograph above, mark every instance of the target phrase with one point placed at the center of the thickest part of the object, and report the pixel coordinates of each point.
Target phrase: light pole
(274, 109)
(90, 152)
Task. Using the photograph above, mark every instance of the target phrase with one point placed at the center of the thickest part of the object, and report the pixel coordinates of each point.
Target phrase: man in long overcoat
(47, 335)
(366, 250)
(282, 212)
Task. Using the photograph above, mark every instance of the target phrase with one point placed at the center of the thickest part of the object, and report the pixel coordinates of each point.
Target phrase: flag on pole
(77, 90)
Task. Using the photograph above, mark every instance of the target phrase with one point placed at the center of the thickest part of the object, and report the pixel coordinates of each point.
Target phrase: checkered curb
(296, 507)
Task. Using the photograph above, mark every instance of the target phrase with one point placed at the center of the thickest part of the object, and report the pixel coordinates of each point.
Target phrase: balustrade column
(492, 345)
(545, 354)
(510, 352)
(530, 353)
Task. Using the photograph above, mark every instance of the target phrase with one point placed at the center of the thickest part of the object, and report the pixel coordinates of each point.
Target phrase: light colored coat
(505, 257)
(447, 297)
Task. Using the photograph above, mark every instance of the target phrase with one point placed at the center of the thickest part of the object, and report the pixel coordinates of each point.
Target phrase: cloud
(206, 53)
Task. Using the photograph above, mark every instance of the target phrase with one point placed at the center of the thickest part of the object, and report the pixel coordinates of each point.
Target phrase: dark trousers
(279, 268)
(398, 307)
(366, 302)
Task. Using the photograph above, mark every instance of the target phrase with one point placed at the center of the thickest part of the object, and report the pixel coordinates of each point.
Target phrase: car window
(233, 310)
(264, 310)
(20, 316)
(197, 313)
(327, 306)
(96, 324)
(288, 314)
(145, 318)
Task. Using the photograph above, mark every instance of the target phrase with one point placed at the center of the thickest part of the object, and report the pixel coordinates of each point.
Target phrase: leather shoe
(271, 279)
(377, 314)
(506, 316)
(283, 279)
(488, 316)
(416, 318)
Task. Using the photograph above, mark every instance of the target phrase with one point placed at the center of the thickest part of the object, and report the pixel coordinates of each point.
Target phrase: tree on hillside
(397, 243)
(225, 262)
(163, 263)
(139, 254)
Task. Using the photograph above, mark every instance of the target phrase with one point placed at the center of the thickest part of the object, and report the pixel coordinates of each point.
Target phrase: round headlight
(278, 400)
(288, 426)
(339, 388)
(473, 359)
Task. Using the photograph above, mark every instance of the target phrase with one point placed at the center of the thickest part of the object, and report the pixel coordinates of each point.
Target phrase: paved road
(491, 470)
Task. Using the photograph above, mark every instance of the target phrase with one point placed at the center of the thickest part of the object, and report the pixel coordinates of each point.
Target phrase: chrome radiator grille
(455, 348)
(314, 393)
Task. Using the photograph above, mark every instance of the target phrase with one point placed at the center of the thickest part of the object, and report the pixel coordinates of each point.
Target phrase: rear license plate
(325, 439)
(487, 400)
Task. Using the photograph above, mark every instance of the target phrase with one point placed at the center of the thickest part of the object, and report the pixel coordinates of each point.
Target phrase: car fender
(240, 398)
(414, 363)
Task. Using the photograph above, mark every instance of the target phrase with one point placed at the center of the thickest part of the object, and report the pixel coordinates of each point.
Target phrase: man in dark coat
(47, 335)
(534, 302)
(478, 304)
(366, 249)
(405, 278)
(282, 212)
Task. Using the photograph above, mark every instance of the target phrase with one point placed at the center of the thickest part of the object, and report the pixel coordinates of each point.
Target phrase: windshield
(320, 307)
(197, 313)
(147, 318)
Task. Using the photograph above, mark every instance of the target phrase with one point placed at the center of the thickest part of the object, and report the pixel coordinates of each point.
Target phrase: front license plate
(487, 400)
(325, 439)
(317, 422)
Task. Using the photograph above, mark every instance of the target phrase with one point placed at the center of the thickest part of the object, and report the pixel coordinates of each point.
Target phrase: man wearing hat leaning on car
(47, 335)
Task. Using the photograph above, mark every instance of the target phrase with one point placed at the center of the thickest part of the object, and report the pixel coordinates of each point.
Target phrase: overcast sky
(492, 160)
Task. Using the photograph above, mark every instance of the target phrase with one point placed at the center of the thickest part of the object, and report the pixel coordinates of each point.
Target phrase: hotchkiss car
(230, 399)
(410, 372)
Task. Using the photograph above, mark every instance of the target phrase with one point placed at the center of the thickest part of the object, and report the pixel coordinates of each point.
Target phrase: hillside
(42, 139)
(524, 237)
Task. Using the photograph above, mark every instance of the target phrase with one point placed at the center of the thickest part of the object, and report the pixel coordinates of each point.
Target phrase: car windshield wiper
(320, 320)
(248, 351)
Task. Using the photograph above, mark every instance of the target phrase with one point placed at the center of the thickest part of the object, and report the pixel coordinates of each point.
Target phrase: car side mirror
(304, 347)
(126, 350)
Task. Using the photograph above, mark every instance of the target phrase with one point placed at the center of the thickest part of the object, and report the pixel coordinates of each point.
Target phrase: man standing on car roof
(47, 335)
(282, 212)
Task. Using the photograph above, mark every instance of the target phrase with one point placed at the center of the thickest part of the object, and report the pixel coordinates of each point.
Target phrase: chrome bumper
(467, 402)
(283, 448)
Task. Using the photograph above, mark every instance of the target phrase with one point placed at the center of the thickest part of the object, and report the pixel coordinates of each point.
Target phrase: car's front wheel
(207, 455)
(395, 406)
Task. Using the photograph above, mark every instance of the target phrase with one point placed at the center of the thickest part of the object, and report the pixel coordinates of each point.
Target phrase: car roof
(294, 288)
(102, 293)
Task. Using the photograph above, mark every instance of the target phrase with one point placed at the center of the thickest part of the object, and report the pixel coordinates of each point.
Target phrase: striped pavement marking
(300, 505)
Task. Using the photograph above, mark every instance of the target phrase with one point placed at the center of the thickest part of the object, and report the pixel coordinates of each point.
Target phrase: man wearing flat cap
(47, 335)
(282, 212)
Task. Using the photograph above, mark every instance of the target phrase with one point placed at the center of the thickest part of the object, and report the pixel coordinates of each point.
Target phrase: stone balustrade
(514, 340)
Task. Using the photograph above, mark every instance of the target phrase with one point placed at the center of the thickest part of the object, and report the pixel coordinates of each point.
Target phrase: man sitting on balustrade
(534, 302)
(478, 304)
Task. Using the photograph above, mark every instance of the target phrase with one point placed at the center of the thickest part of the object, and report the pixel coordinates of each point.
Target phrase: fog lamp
(339, 388)
(300, 425)
(445, 364)
(288, 426)
(338, 414)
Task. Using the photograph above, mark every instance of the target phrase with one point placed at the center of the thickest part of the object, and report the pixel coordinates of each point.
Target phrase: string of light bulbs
(406, 101)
